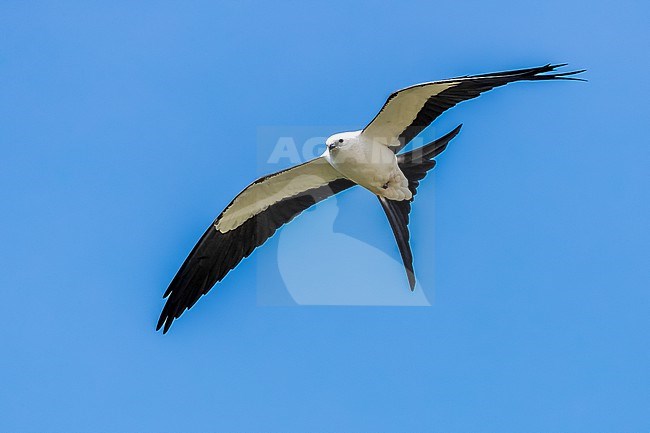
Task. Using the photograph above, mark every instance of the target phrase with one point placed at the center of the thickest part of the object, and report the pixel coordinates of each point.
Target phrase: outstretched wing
(409, 111)
(414, 165)
(248, 221)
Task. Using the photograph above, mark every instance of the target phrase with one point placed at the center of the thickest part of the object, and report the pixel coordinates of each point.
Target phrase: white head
(341, 140)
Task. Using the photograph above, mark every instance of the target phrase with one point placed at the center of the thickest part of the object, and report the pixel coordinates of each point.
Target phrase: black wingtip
(567, 75)
(164, 322)
(546, 72)
(542, 73)
(167, 317)
(161, 321)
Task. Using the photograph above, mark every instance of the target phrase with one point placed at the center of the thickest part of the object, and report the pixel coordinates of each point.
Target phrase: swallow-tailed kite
(368, 158)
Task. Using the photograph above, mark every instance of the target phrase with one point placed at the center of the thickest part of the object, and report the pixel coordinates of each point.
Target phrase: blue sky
(126, 127)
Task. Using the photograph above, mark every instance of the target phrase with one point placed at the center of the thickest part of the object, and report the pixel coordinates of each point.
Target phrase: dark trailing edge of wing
(414, 165)
(472, 86)
(218, 253)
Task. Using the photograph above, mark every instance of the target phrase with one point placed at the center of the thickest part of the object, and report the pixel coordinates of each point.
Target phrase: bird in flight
(369, 158)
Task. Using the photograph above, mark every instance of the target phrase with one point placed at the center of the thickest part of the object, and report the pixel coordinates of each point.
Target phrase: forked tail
(415, 165)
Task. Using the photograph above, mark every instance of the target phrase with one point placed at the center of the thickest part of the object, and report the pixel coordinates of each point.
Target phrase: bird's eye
(340, 140)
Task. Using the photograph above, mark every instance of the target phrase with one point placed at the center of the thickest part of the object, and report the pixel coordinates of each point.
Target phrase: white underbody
(371, 164)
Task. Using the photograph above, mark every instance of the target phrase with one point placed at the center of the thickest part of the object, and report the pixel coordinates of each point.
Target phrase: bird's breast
(370, 165)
